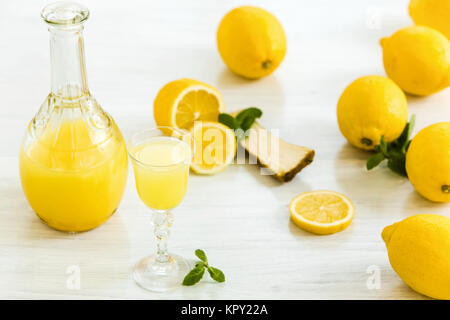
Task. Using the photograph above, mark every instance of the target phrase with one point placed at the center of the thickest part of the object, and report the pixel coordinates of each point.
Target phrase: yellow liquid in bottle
(161, 170)
(74, 190)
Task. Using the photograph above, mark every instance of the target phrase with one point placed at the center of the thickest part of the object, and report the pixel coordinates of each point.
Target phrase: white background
(238, 217)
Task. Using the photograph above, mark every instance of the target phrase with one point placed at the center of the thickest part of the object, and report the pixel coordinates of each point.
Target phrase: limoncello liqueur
(73, 159)
(161, 171)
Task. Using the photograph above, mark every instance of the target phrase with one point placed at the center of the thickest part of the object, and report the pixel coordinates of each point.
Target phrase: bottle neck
(68, 70)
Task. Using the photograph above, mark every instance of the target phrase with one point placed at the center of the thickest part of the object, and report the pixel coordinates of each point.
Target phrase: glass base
(160, 277)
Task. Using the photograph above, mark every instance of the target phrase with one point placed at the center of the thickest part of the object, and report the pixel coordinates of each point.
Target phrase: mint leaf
(407, 145)
(383, 146)
(247, 123)
(397, 165)
(412, 123)
(194, 275)
(201, 255)
(375, 160)
(228, 120)
(394, 151)
(246, 117)
(252, 113)
(410, 128)
(244, 120)
(216, 274)
(400, 142)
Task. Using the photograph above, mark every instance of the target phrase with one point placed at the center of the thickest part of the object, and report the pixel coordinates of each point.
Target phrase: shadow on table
(379, 187)
(403, 290)
(260, 174)
(228, 79)
(330, 239)
(283, 191)
(265, 93)
(414, 201)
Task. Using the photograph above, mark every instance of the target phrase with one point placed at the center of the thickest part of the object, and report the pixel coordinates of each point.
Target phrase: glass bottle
(73, 159)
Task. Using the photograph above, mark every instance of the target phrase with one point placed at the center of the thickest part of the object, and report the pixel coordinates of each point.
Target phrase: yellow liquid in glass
(161, 171)
(74, 190)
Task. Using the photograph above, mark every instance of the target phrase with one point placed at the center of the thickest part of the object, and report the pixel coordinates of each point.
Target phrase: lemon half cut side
(182, 102)
(215, 147)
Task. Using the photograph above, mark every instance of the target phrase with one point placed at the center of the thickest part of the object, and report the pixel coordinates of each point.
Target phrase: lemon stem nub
(267, 64)
(366, 142)
(445, 188)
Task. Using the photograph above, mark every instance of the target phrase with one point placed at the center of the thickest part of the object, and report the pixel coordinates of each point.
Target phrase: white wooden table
(133, 48)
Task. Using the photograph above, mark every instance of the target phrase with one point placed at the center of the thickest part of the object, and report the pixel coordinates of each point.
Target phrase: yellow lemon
(322, 212)
(182, 102)
(371, 107)
(432, 13)
(417, 58)
(251, 41)
(428, 162)
(418, 249)
(215, 147)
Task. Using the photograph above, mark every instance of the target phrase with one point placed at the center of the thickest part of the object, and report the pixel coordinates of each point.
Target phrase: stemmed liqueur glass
(161, 159)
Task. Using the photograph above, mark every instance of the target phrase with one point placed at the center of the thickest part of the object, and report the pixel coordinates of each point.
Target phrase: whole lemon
(371, 107)
(417, 58)
(418, 249)
(251, 42)
(428, 162)
(432, 13)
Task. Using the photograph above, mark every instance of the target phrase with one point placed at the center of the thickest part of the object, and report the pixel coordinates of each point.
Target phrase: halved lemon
(215, 147)
(322, 212)
(182, 102)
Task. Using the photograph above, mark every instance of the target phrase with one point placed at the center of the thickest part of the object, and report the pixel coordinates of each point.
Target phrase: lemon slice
(215, 147)
(182, 102)
(322, 212)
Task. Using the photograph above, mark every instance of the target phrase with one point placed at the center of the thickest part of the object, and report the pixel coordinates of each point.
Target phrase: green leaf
(228, 120)
(216, 274)
(384, 146)
(402, 141)
(201, 255)
(375, 160)
(252, 112)
(377, 148)
(247, 123)
(403, 138)
(394, 151)
(410, 128)
(194, 275)
(243, 120)
(412, 123)
(246, 117)
(397, 165)
(407, 145)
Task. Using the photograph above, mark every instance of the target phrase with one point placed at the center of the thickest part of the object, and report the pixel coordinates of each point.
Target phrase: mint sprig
(394, 152)
(196, 274)
(243, 120)
(201, 255)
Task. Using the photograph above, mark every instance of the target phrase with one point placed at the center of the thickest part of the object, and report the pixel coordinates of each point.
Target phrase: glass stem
(162, 221)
